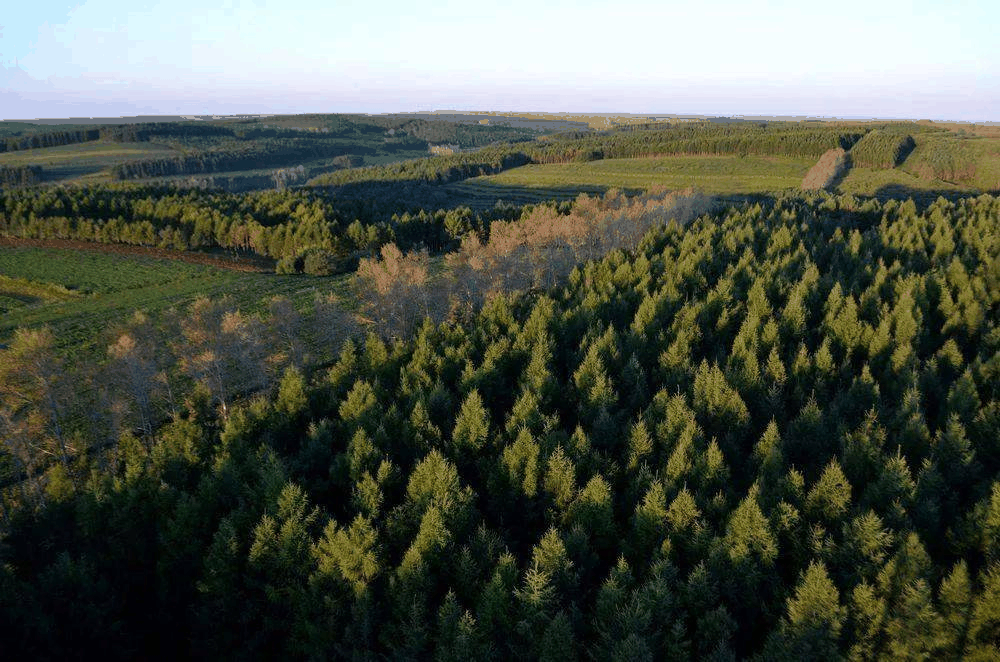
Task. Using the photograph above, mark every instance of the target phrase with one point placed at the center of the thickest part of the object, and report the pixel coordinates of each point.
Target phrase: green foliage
(349, 554)
(292, 398)
(15, 176)
(830, 497)
(814, 619)
(748, 535)
(472, 427)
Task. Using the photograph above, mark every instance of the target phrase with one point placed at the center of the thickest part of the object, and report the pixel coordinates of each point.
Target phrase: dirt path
(219, 260)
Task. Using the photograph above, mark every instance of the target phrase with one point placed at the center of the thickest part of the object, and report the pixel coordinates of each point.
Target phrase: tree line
(249, 155)
(769, 431)
(282, 225)
(22, 175)
(244, 147)
(48, 139)
(139, 132)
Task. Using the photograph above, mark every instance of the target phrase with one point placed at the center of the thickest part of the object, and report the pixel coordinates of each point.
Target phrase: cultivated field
(79, 294)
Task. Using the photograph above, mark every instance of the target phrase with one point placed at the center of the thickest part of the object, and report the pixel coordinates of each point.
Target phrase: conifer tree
(815, 618)
(472, 426)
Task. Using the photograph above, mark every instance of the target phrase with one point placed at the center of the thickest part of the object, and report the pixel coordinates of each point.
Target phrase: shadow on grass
(62, 172)
(489, 194)
(412, 194)
(841, 174)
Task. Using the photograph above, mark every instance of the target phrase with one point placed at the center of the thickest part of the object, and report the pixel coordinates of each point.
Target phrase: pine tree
(292, 399)
(916, 630)
(984, 626)
(649, 523)
(435, 483)
(521, 461)
(748, 535)
(956, 609)
(351, 554)
(560, 479)
(593, 511)
(830, 498)
(814, 621)
(472, 426)
(558, 642)
(360, 407)
(865, 546)
(640, 444)
(868, 612)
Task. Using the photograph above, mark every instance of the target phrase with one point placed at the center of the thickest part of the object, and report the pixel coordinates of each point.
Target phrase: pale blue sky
(853, 58)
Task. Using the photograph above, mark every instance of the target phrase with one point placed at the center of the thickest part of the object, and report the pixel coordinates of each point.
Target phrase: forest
(762, 431)
(640, 425)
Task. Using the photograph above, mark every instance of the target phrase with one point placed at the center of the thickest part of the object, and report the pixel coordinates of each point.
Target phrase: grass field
(80, 294)
(711, 174)
(85, 162)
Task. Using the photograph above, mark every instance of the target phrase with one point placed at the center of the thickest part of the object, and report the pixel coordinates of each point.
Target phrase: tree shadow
(841, 174)
(410, 195)
(923, 198)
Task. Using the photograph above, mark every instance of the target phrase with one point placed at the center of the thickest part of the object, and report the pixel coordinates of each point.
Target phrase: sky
(915, 59)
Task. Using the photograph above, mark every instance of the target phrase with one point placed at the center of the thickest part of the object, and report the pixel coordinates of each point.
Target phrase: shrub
(319, 262)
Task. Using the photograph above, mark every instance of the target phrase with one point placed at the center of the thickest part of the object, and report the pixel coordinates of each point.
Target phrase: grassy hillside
(712, 174)
(84, 163)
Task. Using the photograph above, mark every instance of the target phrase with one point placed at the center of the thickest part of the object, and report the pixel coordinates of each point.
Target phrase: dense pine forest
(630, 428)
